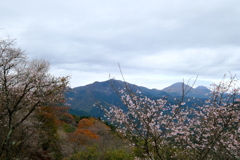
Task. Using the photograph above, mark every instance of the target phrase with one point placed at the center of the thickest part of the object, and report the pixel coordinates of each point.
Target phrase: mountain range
(84, 98)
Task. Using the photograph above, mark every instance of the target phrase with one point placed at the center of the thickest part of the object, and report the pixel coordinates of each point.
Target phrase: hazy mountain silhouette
(176, 89)
(86, 99)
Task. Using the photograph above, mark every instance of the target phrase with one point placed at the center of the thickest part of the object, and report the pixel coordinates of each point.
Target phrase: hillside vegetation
(79, 137)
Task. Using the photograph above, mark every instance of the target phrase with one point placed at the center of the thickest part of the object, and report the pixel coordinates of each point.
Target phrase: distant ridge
(176, 89)
(102, 93)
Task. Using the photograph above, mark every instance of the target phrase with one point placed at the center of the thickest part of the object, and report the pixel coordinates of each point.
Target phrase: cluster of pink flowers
(160, 130)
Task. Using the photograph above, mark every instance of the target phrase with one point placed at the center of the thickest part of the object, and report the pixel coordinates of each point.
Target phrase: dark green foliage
(95, 153)
(112, 127)
(68, 128)
(78, 118)
(119, 154)
(77, 112)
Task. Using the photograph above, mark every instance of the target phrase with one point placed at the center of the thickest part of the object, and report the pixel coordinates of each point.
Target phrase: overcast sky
(156, 42)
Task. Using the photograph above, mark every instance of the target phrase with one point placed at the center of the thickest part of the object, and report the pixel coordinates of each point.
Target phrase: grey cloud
(176, 38)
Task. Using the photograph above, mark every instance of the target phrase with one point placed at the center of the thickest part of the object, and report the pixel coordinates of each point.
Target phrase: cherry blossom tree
(159, 129)
(25, 85)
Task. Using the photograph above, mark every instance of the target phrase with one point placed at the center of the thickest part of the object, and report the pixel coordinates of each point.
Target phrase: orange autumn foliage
(85, 123)
(83, 136)
(93, 119)
(66, 117)
(47, 115)
(69, 115)
(54, 114)
(60, 110)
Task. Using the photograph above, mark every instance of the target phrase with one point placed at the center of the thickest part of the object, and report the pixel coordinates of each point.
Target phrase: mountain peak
(201, 87)
(176, 87)
(103, 93)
